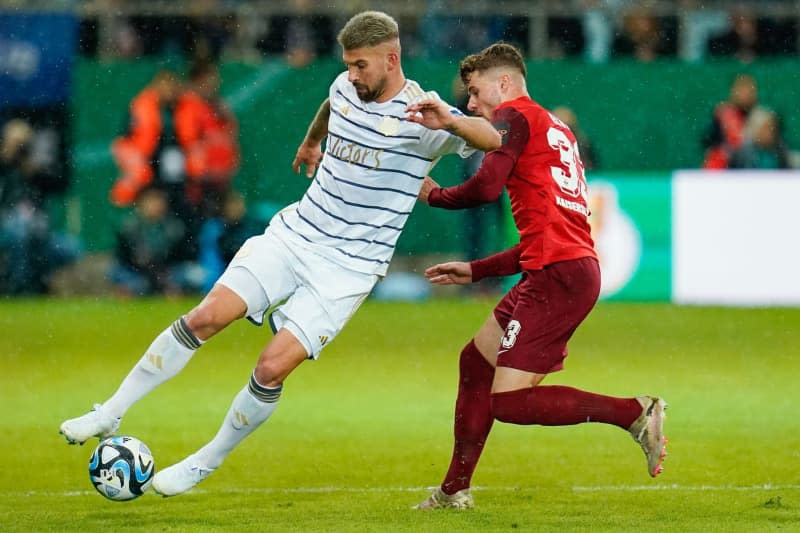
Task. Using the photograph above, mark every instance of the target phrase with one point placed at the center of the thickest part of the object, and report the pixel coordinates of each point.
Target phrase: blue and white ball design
(121, 468)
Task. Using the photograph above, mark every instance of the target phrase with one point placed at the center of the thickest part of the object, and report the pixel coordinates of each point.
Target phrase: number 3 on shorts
(512, 330)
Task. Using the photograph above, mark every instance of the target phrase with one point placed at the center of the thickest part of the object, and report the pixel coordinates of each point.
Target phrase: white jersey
(367, 183)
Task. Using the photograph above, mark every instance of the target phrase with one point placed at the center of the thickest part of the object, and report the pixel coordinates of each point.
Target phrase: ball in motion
(121, 468)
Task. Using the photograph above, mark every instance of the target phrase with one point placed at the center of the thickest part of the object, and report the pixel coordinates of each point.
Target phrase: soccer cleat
(648, 431)
(441, 500)
(95, 423)
(180, 477)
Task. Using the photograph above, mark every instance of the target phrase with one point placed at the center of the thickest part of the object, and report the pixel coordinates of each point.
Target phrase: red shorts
(541, 312)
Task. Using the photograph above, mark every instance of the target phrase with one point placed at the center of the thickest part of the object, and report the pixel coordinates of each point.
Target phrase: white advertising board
(736, 238)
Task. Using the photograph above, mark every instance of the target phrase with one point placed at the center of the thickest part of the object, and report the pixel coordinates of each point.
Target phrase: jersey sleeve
(485, 186)
(442, 142)
(514, 130)
(488, 182)
(504, 263)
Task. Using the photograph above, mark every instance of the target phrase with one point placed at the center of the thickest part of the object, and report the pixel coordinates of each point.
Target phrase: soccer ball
(121, 468)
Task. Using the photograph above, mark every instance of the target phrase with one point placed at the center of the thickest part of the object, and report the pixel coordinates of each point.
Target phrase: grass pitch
(362, 433)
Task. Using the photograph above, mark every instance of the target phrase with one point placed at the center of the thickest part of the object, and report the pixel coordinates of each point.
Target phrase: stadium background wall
(642, 118)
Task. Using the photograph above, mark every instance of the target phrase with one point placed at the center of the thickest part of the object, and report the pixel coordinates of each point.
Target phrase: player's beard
(367, 94)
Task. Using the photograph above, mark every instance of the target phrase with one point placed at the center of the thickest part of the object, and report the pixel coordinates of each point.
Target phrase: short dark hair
(496, 55)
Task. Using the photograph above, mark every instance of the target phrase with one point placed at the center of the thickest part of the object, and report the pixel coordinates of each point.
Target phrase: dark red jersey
(541, 168)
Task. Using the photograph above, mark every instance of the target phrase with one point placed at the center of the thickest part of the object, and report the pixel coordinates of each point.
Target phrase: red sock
(473, 418)
(556, 405)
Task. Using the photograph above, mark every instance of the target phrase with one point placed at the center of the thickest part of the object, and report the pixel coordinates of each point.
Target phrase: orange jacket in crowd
(731, 121)
(207, 136)
(133, 153)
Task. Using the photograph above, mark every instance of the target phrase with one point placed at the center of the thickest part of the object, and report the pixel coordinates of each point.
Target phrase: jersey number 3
(572, 181)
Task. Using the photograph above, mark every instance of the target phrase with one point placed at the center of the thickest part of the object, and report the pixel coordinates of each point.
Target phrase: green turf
(361, 433)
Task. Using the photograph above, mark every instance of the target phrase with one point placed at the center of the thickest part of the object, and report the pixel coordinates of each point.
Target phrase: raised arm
(488, 182)
(435, 114)
(309, 153)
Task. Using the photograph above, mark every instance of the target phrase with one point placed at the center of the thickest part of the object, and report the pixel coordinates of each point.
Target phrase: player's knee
(270, 371)
(204, 321)
(474, 369)
(505, 406)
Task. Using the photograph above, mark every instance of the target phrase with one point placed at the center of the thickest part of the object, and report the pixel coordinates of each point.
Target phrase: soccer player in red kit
(525, 338)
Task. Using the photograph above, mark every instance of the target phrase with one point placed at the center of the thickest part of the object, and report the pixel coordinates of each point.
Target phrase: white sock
(251, 408)
(165, 357)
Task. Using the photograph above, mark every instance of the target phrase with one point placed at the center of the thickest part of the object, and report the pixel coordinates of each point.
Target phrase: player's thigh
(326, 299)
(508, 379)
(261, 274)
(550, 305)
(487, 339)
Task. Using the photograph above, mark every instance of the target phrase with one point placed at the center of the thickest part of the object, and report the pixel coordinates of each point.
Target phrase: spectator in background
(149, 153)
(301, 37)
(763, 147)
(641, 37)
(222, 236)
(208, 133)
(447, 35)
(726, 132)
(598, 27)
(585, 146)
(148, 250)
(29, 248)
(742, 40)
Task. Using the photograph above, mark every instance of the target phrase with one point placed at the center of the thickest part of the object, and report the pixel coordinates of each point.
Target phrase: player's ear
(393, 59)
(505, 81)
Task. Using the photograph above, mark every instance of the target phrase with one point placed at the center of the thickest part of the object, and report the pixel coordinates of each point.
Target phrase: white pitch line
(685, 488)
(372, 490)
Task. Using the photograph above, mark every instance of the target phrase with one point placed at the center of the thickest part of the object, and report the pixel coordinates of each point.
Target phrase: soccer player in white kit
(323, 254)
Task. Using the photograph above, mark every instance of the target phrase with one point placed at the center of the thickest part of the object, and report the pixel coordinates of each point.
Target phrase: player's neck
(394, 86)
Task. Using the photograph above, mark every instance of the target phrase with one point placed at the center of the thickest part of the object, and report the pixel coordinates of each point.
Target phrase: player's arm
(309, 153)
(433, 113)
(504, 263)
(485, 186)
(488, 182)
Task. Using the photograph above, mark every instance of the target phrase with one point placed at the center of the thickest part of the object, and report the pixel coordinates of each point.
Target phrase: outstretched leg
(518, 399)
(473, 418)
(251, 407)
(164, 358)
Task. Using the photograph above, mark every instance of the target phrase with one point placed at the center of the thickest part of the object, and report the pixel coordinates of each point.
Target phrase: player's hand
(430, 111)
(427, 186)
(309, 155)
(453, 273)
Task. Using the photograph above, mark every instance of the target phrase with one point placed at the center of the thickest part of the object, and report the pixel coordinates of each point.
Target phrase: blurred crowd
(597, 30)
(745, 134)
(181, 218)
(177, 160)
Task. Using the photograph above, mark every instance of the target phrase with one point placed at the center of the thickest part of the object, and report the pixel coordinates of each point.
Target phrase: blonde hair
(367, 29)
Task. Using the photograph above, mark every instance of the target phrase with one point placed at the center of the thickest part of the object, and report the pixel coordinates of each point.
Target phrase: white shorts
(320, 296)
